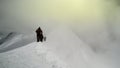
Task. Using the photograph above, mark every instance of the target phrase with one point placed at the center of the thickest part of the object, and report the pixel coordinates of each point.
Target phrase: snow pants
(40, 38)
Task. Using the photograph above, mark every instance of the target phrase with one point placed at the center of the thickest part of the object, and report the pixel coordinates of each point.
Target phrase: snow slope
(24, 57)
(63, 49)
(34, 55)
(15, 41)
(75, 52)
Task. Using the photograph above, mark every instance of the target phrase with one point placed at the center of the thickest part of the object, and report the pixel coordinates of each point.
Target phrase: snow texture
(62, 49)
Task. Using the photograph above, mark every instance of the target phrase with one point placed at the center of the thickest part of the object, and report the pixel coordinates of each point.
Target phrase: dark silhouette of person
(39, 33)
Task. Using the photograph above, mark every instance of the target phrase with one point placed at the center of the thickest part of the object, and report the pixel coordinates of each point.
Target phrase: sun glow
(64, 9)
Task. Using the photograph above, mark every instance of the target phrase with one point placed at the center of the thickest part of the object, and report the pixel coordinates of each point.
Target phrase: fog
(83, 16)
(27, 15)
(96, 22)
(87, 18)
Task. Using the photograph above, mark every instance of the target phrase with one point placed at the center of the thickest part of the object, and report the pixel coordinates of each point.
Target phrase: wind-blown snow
(24, 57)
(74, 51)
(34, 55)
(15, 41)
(63, 49)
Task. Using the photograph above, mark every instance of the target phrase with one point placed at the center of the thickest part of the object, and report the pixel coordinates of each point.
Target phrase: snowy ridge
(53, 59)
(10, 42)
(16, 41)
(77, 54)
(33, 55)
(7, 37)
(24, 57)
(70, 48)
(62, 49)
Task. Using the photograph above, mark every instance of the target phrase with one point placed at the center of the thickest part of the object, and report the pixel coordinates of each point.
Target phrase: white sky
(29, 14)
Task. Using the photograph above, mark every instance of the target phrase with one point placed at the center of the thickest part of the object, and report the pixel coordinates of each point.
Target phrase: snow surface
(62, 49)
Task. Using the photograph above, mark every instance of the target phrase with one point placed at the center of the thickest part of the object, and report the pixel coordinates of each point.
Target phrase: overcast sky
(96, 22)
(27, 15)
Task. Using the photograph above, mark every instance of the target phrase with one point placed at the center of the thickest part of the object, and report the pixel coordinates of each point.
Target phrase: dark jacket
(39, 31)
